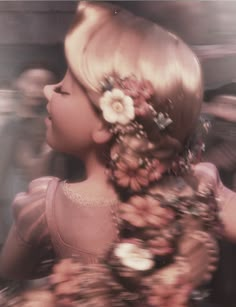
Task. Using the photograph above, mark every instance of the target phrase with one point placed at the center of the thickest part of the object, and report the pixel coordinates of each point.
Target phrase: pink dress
(53, 223)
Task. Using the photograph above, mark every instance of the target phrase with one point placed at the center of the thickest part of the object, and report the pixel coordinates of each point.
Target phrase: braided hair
(148, 88)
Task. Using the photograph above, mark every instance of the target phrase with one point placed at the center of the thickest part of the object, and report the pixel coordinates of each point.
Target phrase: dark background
(34, 30)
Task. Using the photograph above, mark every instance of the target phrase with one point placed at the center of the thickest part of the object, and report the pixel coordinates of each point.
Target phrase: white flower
(117, 107)
(134, 257)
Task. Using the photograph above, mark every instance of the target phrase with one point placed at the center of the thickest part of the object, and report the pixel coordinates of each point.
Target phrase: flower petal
(123, 119)
(117, 94)
(128, 101)
(135, 186)
(143, 181)
(110, 116)
(122, 249)
(138, 201)
(122, 166)
(124, 181)
(126, 208)
(107, 95)
(132, 162)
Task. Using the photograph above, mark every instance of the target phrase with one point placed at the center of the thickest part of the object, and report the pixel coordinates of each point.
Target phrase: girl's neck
(96, 180)
(94, 167)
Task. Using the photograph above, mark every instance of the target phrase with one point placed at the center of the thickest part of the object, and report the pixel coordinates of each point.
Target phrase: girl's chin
(48, 122)
(53, 142)
(49, 139)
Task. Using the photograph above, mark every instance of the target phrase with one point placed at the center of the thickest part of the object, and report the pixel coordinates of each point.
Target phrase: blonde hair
(106, 40)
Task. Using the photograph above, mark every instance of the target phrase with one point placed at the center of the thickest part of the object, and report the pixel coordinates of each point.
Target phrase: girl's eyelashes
(59, 90)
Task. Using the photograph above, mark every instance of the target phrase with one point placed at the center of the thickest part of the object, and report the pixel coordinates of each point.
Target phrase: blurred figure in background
(7, 105)
(221, 150)
(24, 154)
(7, 111)
(221, 143)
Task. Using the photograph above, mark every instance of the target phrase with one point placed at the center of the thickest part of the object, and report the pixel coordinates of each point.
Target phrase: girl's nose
(48, 91)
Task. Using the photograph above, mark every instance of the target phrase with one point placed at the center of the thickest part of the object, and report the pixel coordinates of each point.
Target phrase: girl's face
(71, 117)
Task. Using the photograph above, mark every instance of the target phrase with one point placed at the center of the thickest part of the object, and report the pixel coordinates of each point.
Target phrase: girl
(127, 107)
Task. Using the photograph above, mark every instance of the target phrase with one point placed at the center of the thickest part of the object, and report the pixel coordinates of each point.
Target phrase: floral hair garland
(131, 272)
(124, 99)
(122, 103)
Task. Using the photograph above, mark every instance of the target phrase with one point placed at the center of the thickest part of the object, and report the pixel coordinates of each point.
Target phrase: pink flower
(130, 87)
(135, 88)
(146, 212)
(141, 106)
(131, 175)
(146, 89)
(156, 169)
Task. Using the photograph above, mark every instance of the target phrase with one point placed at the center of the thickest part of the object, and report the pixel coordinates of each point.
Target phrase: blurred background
(31, 55)
(34, 31)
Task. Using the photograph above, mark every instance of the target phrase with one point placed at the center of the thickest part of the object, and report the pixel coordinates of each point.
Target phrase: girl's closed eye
(60, 90)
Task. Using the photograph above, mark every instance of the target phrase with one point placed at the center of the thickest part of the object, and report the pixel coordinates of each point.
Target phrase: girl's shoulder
(29, 210)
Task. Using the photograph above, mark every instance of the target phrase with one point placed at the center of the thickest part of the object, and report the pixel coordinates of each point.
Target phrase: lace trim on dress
(83, 200)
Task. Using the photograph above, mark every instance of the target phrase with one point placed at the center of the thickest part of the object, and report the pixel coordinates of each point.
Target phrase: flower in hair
(129, 174)
(141, 92)
(125, 98)
(146, 212)
(117, 107)
(161, 241)
(156, 170)
(134, 256)
(135, 88)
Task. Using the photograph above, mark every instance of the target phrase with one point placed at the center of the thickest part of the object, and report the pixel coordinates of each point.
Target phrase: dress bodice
(48, 216)
(79, 227)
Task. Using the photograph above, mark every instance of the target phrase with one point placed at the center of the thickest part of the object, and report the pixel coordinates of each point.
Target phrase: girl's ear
(101, 135)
